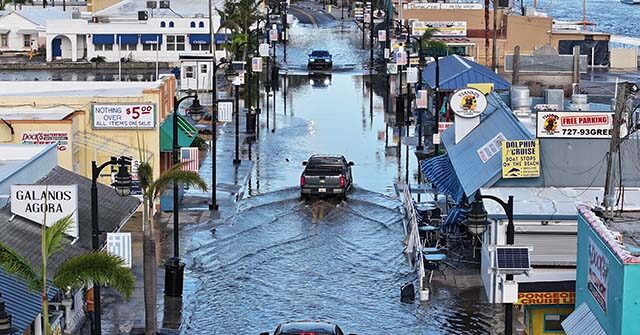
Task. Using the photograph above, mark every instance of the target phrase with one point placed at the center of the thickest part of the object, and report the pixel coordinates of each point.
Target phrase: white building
(116, 32)
(24, 30)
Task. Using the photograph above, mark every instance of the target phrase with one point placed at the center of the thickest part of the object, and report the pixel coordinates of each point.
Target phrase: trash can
(251, 114)
(173, 277)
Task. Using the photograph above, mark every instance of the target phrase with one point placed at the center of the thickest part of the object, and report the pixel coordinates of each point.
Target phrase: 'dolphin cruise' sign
(57, 201)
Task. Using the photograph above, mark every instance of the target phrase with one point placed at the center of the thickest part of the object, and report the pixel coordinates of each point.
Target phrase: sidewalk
(127, 317)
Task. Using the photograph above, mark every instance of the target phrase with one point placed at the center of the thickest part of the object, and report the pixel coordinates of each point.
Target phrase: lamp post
(284, 29)
(236, 84)
(173, 285)
(477, 217)
(213, 206)
(122, 186)
(421, 65)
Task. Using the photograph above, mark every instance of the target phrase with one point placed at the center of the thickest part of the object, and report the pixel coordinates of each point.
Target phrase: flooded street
(280, 258)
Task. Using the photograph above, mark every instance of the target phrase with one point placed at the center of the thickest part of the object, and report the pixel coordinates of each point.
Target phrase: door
(56, 47)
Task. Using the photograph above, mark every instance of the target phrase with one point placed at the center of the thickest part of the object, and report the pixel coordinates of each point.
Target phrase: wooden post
(516, 66)
(576, 68)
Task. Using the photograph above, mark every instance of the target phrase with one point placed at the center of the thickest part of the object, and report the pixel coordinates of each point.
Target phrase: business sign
(422, 5)
(468, 102)
(598, 277)
(442, 126)
(491, 148)
(442, 28)
(256, 64)
(225, 111)
(382, 35)
(119, 244)
(124, 116)
(33, 201)
(574, 124)
(546, 298)
(61, 138)
(521, 159)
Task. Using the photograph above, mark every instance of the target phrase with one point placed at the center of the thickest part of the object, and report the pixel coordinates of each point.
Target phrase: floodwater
(280, 258)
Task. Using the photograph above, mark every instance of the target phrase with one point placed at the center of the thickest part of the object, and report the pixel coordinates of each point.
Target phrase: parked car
(320, 59)
(307, 327)
(326, 175)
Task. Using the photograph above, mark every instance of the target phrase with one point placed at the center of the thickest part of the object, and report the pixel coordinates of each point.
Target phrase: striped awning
(440, 172)
(582, 321)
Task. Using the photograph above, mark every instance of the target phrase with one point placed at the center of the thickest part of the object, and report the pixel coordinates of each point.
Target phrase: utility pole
(494, 51)
(486, 32)
(515, 76)
(614, 146)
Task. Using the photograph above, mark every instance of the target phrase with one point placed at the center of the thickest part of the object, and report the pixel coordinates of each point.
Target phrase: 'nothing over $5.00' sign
(123, 116)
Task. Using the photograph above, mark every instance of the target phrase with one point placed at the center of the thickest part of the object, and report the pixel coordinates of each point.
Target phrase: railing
(413, 244)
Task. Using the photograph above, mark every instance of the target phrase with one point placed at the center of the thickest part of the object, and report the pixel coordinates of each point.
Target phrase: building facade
(24, 30)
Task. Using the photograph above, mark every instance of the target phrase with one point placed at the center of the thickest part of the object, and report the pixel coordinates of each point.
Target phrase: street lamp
(235, 76)
(213, 206)
(478, 217)
(122, 186)
(173, 284)
(421, 66)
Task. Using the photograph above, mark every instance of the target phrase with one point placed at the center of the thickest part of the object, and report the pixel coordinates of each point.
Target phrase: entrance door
(56, 47)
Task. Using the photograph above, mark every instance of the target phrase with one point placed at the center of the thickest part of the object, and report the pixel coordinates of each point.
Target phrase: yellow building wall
(98, 5)
(535, 317)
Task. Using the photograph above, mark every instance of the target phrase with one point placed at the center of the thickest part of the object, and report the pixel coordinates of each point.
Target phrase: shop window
(193, 24)
(203, 68)
(4, 40)
(201, 24)
(150, 47)
(552, 322)
(163, 24)
(188, 72)
(103, 47)
(27, 41)
(175, 42)
(199, 47)
(170, 24)
(128, 47)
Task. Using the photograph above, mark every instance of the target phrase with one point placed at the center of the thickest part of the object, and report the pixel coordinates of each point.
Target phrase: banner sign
(256, 64)
(124, 116)
(119, 244)
(574, 124)
(225, 111)
(521, 159)
(46, 137)
(263, 49)
(598, 278)
(412, 75)
(546, 298)
(443, 28)
(491, 148)
(382, 35)
(58, 201)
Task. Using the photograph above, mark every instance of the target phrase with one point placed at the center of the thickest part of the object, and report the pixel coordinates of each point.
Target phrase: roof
(39, 15)
(582, 321)
(622, 237)
(185, 8)
(76, 88)
(22, 304)
(472, 172)
(457, 72)
(29, 113)
(14, 156)
(24, 235)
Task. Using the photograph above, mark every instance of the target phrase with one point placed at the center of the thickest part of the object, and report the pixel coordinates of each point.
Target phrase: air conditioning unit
(143, 15)
(152, 4)
(199, 16)
(165, 4)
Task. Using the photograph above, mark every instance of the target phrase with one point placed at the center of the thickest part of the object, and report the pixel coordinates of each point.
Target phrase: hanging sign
(124, 116)
(468, 102)
(256, 64)
(119, 244)
(382, 35)
(412, 75)
(263, 49)
(598, 278)
(61, 138)
(521, 159)
(225, 111)
(574, 124)
(422, 99)
(58, 201)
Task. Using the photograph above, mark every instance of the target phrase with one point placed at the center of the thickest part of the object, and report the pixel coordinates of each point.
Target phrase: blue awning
(440, 172)
(103, 39)
(127, 38)
(199, 38)
(151, 39)
(222, 38)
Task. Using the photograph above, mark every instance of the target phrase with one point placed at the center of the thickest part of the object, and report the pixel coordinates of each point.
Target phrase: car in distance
(307, 328)
(320, 59)
(326, 175)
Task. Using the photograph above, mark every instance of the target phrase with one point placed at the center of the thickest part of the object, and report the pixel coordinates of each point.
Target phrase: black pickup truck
(326, 175)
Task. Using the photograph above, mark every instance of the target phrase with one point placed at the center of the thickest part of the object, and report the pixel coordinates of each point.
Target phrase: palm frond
(176, 175)
(13, 263)
(100, 268)
(54, 235)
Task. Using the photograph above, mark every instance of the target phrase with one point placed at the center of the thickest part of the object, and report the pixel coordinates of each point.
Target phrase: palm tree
(151, 190)
(99, 268)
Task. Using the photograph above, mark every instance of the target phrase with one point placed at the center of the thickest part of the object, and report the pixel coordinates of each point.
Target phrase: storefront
(545, 305)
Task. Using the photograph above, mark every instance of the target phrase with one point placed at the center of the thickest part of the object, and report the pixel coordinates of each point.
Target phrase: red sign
(442, 126)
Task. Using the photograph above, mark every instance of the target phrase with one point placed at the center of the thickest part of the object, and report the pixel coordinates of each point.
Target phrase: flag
(119, 244)
(382, 35)
(401, 58)
(256, 64)
(190, 158)
(422, 99)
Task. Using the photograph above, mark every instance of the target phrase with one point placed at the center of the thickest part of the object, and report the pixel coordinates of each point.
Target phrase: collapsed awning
(151, 39)
(199, 38)
(222, 38)
(582, 321)
(127, 38)
(103, 39)
(186, 133)
(440, 172)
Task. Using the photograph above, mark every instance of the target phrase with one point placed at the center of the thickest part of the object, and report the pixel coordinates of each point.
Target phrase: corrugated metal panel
(456, 72)
(23, 305)
(550, 249)
(582, 322)
(440, 172)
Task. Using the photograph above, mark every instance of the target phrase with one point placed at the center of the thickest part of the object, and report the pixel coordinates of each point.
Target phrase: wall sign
(491, 148)
(61, 138)
(521, 159)
(443, 28)
(124, 116)
(58, 201)
(574, 124)
(598, 276)
(546, 298)
(468, 102)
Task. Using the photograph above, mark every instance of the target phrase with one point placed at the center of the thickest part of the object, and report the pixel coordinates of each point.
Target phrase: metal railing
(413, 244)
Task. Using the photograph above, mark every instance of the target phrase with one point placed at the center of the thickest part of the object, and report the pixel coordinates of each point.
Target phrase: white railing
(413, 244)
